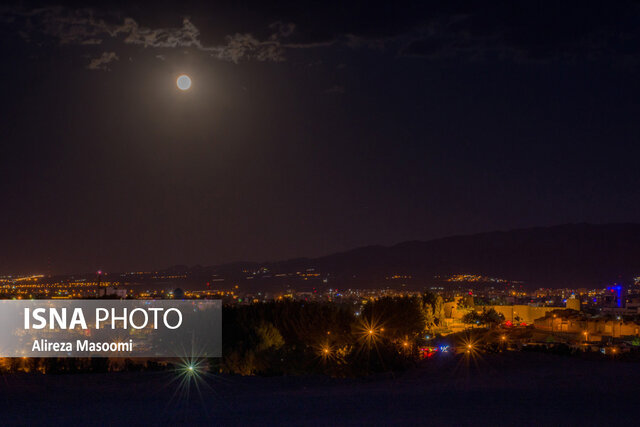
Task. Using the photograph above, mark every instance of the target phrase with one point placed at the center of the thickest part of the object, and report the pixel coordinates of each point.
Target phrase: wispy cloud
(84, 27)
(463, 31)
(101, 62)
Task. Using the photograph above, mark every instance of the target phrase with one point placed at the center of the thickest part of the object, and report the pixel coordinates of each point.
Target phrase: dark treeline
(294, 337)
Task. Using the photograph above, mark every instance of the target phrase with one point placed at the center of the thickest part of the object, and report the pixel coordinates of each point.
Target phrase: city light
(370, 331)
(324, 351)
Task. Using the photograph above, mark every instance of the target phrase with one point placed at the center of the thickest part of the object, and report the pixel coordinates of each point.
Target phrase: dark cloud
(529, 32)
(507, 30)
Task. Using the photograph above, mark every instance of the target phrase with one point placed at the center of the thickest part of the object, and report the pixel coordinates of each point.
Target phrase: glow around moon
(183, 82)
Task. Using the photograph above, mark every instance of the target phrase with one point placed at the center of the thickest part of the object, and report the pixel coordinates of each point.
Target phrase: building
(573, 303)
(586, 327)
(516, 314)
(111, 291)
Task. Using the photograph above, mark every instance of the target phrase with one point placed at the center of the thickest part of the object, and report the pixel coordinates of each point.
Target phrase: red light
(428, 352)
(508, 323)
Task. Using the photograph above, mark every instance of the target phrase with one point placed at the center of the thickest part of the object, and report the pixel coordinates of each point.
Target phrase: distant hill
(577, 255)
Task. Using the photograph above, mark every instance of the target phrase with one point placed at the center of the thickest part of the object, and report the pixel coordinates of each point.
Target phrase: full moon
(183, 82)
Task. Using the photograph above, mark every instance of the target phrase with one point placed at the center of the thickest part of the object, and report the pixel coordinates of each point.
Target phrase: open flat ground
(503, 389)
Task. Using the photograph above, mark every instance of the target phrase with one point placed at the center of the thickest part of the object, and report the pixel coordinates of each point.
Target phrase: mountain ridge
(571, 255)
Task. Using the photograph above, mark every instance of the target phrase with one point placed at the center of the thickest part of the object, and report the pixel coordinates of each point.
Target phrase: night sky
(309, 128)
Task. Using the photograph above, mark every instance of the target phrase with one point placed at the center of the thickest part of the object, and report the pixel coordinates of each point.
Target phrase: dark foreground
(504, 389)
